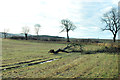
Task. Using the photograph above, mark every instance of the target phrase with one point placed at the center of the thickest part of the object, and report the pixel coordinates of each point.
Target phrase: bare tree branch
(25, 30)
(62, 30)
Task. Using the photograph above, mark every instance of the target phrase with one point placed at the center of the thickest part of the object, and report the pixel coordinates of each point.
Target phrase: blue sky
(85, 14)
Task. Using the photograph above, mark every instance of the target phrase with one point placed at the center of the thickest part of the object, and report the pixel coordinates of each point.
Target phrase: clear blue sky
(85, 14)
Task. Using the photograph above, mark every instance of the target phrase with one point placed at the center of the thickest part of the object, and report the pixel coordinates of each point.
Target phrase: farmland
(67, 65)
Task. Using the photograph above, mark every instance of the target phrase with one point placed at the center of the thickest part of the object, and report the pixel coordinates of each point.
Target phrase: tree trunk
(114, 38)
(5, 35)
(26, 36)
(68, 37)
(37, 36)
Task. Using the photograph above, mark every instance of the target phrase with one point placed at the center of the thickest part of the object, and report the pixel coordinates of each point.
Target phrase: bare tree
(37, 27)
(112, 21)
(5, 33)
(26, 30)
(67, 25)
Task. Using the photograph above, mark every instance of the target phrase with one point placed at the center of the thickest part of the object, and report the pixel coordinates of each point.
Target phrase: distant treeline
(55, 38)
(92, 40)
(32, 37)
(42, 38)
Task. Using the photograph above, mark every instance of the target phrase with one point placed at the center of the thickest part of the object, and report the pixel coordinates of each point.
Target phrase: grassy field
(68, 65)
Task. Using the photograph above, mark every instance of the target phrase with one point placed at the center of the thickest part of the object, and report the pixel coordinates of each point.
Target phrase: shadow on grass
(78, 48)
(109, 50)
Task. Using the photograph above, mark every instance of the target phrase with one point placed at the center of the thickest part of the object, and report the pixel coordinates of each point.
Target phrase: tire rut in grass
(29, 63)
(20, 63)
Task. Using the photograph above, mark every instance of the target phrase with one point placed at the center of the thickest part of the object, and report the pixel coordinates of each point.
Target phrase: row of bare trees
(67, 25)
(26, 30)
(111, 20)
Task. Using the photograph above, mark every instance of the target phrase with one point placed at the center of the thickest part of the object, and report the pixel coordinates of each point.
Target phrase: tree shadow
(109, 50)
(78, 48)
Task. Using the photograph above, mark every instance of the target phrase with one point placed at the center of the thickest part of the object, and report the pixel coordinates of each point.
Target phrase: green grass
(16, 51)
(73, 65)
